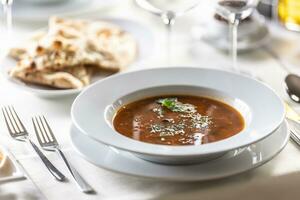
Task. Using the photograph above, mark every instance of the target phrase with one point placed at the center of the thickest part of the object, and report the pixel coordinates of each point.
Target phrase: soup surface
(178, 120)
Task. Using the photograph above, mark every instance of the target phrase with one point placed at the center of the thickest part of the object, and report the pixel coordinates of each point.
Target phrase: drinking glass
(6, 35)
(234, 11)
(7, 4)
(168, 11)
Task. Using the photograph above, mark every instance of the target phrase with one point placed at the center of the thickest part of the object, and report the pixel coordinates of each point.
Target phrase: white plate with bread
(73, 53)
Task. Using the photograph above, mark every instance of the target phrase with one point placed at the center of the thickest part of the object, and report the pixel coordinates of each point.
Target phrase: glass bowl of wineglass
(168, 11)
(234, 11)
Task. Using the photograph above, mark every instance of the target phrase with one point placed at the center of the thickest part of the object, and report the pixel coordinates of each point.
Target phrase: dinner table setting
(149, 99)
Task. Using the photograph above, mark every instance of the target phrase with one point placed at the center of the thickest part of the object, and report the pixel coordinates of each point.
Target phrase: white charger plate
(234, 162)
(146, 45)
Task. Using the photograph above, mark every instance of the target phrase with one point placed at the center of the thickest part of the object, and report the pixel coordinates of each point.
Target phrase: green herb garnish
(168, 102)
(174, 105)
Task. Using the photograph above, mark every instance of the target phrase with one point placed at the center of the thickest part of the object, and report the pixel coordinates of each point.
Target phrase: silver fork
(48, 142)
(17, 131)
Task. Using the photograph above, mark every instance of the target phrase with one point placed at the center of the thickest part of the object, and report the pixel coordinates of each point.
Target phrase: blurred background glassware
(168, 10)
(7, 10)
(234, 11)
(43, 1)
(253, 33)
(7, 21)
(39, 11)
(265, 7)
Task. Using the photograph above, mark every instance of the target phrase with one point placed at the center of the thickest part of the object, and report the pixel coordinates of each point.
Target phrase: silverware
(292, 81)
(48, 142)
(293, 119)
(17, 131)
(292, 87)
(295, 130)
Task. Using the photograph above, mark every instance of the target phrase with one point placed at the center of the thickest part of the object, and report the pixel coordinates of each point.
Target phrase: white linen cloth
(278, 179)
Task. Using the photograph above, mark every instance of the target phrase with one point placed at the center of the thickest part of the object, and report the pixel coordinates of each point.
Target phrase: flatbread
(112, 47)
(109, 38)
(21, 51)
(77, 42)
(62, 56)
(69, 78)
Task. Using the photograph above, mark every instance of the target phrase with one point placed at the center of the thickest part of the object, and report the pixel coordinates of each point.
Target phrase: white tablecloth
(278, 178)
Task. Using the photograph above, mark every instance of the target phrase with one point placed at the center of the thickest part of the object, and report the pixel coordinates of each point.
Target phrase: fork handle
(52, 169)
(83, 185)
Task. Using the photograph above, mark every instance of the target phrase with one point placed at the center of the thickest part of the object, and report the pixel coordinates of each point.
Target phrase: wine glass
(7, 6)
(168, 10)
(234, 11)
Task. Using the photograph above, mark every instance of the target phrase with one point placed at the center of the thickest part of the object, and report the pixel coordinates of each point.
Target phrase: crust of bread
(69, 78)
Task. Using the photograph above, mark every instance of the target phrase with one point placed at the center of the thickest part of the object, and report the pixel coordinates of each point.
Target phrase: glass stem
(169, 20)
(7, 6)
(6, 43)
(168, 45)
(234, 43)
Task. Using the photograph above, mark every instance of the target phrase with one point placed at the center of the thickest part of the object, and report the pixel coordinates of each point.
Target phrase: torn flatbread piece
(69, 78)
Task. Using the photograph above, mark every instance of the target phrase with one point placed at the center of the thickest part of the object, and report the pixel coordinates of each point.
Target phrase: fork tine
(7, 121)
(13, 120)
(18, 119)
(49, 129)
(39, 125)
(39, 135)
(44, 128)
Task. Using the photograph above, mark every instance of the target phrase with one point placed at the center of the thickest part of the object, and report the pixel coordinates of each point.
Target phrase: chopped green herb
(174, 105)
(168, 102)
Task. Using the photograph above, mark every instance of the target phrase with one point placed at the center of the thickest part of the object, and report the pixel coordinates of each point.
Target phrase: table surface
(282, 172)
